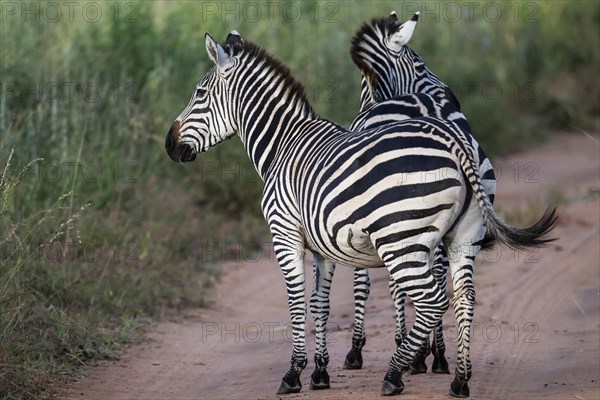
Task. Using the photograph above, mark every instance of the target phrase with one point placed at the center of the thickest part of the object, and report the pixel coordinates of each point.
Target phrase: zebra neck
(272, 112)
(271, 115)
(280, 133)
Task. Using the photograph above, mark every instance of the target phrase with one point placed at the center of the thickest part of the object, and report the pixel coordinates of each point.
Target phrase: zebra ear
(402, 35)
(215, 51)
(234, 43)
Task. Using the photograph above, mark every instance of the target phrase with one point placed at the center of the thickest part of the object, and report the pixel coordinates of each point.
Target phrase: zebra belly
(355, 250)
(421, 220)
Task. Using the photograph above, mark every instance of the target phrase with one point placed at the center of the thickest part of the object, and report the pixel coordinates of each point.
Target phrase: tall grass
(100, 232)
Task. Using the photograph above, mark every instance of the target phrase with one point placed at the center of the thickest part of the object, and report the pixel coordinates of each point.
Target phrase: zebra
(391, 71)
(354, 198)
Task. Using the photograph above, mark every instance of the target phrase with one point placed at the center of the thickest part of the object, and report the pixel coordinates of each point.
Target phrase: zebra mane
(369, 33)
(251, 50)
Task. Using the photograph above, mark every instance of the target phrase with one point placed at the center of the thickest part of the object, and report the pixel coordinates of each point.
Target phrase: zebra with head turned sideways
(350, 197)
(396, 84)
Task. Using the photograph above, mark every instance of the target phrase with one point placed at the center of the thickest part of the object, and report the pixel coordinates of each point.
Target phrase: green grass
(556, 196)
(101, 234)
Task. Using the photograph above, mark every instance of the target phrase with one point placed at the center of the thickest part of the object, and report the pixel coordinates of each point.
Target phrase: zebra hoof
(390, 389)
(319, 379)
(392, 383)
(439, 365)
(318, 386)
(290, 383)
(286, 388)
(354, 357)
(459, 388)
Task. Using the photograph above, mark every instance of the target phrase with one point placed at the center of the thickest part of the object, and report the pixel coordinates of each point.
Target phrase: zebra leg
(319, 308)
(290, 256)
(461, 254)
(418, 365)
(362, 288)
(399, 297)
(463, 304)
(438, 347)
(415, 278)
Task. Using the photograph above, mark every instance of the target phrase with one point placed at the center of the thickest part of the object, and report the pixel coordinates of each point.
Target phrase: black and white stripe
(397, 85)
(389, 194)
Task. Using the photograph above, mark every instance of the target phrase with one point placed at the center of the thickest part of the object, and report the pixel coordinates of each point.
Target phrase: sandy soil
(537, 322)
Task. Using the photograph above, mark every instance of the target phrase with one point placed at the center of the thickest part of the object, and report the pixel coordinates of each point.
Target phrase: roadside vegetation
(101, 234)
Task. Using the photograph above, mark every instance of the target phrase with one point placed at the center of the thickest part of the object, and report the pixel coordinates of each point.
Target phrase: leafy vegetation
(101, 233)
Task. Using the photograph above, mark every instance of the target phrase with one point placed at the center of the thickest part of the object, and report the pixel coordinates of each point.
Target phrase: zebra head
(389, 67)
(206, 121)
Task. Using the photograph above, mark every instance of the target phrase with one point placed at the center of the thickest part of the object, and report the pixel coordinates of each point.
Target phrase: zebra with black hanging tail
(350, 197)
(396, 84)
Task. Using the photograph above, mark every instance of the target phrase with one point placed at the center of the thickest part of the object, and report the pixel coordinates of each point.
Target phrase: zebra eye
(200, 92)
(420, 68)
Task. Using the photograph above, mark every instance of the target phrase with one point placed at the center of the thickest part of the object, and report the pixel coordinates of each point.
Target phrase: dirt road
(537, 320)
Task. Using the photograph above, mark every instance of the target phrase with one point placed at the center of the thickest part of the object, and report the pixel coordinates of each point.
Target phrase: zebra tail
(499, 230)
(521, 238)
